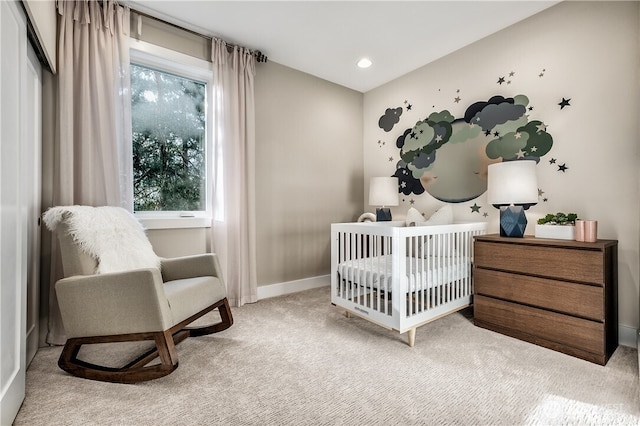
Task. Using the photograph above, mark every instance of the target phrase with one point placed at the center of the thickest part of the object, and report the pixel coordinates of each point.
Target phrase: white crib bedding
(375, 272)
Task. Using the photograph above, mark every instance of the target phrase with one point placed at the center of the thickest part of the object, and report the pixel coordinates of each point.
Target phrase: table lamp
(383, 192)
(512, 186)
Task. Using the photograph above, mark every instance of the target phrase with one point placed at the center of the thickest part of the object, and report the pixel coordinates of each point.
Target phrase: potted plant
(559, 226)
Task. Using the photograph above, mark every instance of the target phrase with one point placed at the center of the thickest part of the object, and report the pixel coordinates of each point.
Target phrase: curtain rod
(260, 57)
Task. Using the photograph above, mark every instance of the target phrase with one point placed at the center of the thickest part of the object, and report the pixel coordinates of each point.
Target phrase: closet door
(31, 184)
(13, 247)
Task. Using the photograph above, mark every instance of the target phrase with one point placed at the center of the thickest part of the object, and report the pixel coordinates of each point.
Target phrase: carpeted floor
(297, 360)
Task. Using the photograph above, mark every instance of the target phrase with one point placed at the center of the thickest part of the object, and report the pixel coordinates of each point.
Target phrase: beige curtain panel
(234, 219)
(93, 112)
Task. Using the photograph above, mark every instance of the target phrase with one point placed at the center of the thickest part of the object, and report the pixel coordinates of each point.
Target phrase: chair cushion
(191, 295)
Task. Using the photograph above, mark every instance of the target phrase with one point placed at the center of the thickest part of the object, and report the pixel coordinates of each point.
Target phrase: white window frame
(170, 61)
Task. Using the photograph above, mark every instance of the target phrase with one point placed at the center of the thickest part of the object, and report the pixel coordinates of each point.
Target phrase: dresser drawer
(542, 327)
(552, 262)
(581, 300)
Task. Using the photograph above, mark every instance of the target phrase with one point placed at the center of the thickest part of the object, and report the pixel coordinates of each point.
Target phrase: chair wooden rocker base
(137, 370)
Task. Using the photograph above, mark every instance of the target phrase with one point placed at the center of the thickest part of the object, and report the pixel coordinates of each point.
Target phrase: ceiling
(327, 38)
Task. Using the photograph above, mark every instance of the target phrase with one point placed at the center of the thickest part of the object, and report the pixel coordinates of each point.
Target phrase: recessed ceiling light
(364, 63)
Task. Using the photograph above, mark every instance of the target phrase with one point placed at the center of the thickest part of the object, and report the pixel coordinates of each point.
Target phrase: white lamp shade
(383, 191)
(512, 183)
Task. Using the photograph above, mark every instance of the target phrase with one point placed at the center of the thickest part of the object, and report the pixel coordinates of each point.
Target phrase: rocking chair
(103, 299)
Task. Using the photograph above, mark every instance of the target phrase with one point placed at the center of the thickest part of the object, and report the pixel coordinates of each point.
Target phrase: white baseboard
(627, 336)
(280, 289)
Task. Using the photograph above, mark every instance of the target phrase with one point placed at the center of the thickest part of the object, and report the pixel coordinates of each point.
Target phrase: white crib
(402, 277)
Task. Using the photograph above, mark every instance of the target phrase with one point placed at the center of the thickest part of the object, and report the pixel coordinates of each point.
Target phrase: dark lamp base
(513, 222)
(383, 214)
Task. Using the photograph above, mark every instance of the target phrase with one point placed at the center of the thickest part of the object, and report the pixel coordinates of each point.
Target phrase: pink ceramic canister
(591, 231)
(579, 230)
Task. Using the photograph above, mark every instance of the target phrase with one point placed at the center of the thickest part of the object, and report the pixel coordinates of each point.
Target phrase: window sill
(175, 222)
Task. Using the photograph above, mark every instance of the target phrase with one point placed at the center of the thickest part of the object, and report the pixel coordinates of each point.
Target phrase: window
(169, 122)
(171, 140)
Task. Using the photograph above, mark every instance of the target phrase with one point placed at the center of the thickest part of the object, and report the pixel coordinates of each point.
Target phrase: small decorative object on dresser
(587, 230)
(562, 295)
(559, 226)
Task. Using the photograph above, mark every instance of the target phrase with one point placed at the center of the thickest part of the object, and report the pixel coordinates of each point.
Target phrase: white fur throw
(110, 234)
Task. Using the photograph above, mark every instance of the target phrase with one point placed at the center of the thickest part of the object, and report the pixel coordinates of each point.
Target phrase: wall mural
(448, 157)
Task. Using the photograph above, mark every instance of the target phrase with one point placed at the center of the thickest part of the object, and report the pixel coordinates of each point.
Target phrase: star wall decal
(390, 159)
(530, 108)
(475, 208)
(552, 161)
(512, 73)
(500, 80)
(409, 106)
(457, 99)
(412, 201)
(485, 214)
(520, 154)
(540, 192)
(545, 199)
(542, 73)
(564, 103)
(562, 167)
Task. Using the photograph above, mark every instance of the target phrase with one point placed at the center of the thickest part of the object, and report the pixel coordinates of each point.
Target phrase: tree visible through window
(168, 115)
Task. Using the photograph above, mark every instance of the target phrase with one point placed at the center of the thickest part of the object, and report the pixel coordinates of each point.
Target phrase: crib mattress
(421, 274)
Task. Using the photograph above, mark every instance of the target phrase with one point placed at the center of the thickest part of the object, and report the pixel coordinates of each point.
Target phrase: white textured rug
(297, 360)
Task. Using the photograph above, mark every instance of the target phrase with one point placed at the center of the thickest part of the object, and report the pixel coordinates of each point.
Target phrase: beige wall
(179, 242)
(589, 52)
(310, 137)
(308, 170)
(309, 165)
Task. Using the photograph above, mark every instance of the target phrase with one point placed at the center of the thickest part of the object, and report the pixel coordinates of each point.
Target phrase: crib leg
(412, 336)
(347, 314)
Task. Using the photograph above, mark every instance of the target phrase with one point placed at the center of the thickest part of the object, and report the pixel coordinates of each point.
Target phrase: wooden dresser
(555, 293)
